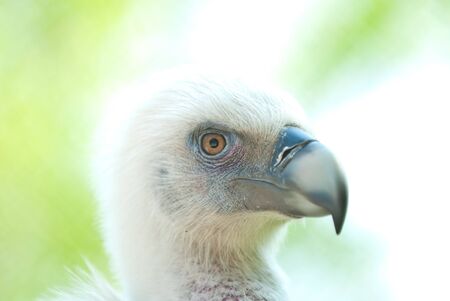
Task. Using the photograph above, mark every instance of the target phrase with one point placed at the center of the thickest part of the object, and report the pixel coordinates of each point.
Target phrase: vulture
(201, 180)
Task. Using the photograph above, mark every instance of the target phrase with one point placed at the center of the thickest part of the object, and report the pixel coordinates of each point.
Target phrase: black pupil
(214, 143)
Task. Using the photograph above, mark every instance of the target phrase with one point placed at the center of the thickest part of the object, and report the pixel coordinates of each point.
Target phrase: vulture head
(204, 177)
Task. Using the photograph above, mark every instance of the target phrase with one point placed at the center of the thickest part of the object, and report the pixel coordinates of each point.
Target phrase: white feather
(86, 285)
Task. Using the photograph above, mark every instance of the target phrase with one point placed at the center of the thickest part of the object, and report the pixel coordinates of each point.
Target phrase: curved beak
(304, 179)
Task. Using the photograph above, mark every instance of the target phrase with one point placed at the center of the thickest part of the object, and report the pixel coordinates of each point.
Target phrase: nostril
(289, 151)
(286, 153)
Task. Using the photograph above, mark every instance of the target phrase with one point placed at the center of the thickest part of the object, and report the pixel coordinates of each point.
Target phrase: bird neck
(197, 265)
(233, 283)
(205, 271)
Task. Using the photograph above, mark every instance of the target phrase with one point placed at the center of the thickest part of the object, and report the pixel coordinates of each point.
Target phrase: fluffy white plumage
(87, 285)
(159, 215)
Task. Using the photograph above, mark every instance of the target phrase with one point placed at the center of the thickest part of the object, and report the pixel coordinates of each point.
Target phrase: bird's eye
(212, 143)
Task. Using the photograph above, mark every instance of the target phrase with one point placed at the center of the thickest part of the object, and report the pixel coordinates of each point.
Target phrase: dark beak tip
(340, 212)
(338, 221)
(338, 229)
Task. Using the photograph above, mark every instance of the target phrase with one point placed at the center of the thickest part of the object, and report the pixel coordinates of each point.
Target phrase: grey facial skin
(303, 180)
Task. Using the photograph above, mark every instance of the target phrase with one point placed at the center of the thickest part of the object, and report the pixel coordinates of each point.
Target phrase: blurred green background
(58, 58)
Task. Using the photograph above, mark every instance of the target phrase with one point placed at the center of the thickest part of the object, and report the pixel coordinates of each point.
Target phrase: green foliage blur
(57, 57)
(50, 60)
